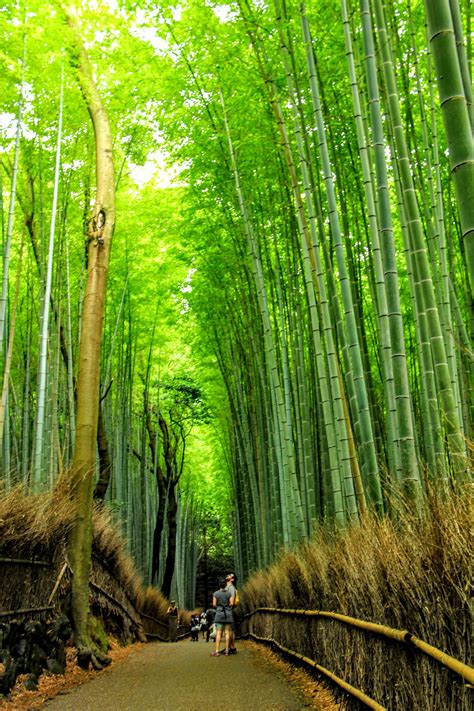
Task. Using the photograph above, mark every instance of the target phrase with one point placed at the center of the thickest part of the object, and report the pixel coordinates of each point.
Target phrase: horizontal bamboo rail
(157, 636)
(154, 619)
(185, 634)
(453, 664)
(166, 639)
(104, 564)
(26, 561)
(357, 693)
(25, 611)
(404, 636)
(166, 626)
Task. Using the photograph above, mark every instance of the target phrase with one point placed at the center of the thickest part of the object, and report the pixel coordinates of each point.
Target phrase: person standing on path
(173, 621)
(210, 615)
(222, 600)
(203, 623)
(231, 580)
(195, 627)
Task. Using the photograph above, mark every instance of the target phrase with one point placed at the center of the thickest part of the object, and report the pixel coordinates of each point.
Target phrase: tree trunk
(157, 534)
(171, 552)
(105, 465)
(101, 228)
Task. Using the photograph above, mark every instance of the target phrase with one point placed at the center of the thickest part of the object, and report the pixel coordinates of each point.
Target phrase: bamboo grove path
(184, 677)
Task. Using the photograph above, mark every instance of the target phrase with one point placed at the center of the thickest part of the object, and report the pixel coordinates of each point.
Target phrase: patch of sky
(74, 165)
(28, 96)
(147, 33)
(225, 13)
(189, 276)
(157, 169)
(261, 4)
(186, 288)
(96, 5)
(100, 36)
(8, 125)
(8, 130)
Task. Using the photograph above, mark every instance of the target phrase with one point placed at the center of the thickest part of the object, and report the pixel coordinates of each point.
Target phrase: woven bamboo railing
(403, 636)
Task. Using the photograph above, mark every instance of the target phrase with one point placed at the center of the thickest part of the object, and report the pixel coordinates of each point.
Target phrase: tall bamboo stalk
(291, 511)
(368, 454)
(425, 290)
(453, 80)
(8, 359)
(38, 478)
(11, 211)
(400, 439)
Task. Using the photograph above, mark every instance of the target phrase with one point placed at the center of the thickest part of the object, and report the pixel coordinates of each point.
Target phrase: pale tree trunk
(39, 476)
(101, 228)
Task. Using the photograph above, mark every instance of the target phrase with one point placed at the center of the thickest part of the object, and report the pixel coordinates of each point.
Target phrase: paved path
(184, 677)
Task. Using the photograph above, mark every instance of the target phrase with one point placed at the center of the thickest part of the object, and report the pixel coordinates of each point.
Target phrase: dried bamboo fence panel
(390, 665)
(356, 693)
(110, 602)
(155, 628)
(35, 577)
(26, 583)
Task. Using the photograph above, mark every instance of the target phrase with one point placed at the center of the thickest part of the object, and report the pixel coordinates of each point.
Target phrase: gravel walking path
(184, 677)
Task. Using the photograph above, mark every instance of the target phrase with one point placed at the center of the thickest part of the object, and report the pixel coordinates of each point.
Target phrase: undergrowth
(37, 526)
(414, 573)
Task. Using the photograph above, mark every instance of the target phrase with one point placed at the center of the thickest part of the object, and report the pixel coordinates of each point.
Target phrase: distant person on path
(210, 615)
(231, 579)
(222, 600)
(173, 621)
(203, 623)
(195, 627)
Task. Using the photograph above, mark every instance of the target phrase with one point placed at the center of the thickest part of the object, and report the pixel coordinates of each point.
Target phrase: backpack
(236, 598)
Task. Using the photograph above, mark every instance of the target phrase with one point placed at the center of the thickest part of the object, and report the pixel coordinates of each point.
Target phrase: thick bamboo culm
(446, 660)
(336, 679)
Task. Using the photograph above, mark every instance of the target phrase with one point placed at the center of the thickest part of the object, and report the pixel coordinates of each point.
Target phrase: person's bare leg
(218, 639)
(227, 639)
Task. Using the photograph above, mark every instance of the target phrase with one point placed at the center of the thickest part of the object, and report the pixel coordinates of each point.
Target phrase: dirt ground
(179, 677)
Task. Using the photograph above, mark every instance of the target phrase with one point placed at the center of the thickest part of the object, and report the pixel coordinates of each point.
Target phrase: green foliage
(183, 311)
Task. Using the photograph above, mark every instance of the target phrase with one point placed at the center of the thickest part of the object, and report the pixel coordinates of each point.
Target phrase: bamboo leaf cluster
(309, 273)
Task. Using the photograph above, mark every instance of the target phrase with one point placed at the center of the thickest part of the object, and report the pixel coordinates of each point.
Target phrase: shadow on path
(184, 677)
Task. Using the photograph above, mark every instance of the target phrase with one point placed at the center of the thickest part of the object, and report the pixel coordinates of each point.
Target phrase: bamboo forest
(236, 330)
